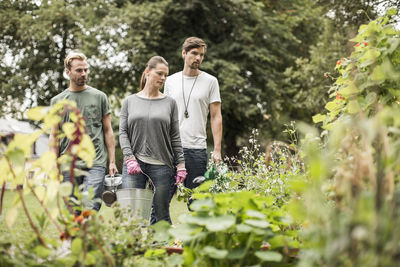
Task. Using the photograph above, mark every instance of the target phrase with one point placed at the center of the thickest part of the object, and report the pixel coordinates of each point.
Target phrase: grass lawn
(21, 227)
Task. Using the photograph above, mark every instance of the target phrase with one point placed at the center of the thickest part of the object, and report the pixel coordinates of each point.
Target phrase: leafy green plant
(267, 173)
(45, 186)
(84, 240)
(128, 237)
(218, 173)
(369, 76)
(349, 208)
(235, 234)
(183, 193)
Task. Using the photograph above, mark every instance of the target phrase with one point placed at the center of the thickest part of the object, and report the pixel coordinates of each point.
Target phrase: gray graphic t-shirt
(94, 106)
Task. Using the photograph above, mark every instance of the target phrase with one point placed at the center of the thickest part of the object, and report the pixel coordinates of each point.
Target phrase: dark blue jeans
(162, 178)
(196, 165)
(94, 179)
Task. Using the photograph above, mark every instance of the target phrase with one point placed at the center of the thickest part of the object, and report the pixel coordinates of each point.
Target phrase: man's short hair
(71, 56)
(193, 42)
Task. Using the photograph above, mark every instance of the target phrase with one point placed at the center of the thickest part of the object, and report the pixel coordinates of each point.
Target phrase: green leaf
(90, 259)
(215, 253)
(40, 191)
(65, 189)
(255, 214)
(353, 107)
(332, 105)
(16, 157)
(69, 129)
(378, 74)
(202, 204)
(391, 12)
(185, 232)
(349, 90)
(188, 256)
(36, 113)
(161, 231)
(42, 252)
(76, 246)
(236, 254)
(277, 241)
(154, 253)
(86, 150)
(257, 223)
(269, 256)
(220, 223)
(243, 228)
(11, 216)
(200, 219)
(175, 260)
(318, 118)
(361, 29)
(370, 56)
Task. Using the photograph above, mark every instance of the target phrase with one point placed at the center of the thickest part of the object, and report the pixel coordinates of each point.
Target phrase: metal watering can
(138, 201)
(112, 183)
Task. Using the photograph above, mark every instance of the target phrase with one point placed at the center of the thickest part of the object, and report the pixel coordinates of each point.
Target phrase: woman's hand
(132, 166)
(180, 176)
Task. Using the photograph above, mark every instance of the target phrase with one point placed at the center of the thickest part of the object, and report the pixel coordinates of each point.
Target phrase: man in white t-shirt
(197, 94)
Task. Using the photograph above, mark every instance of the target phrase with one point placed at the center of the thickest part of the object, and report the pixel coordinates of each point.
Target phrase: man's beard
(80, 82)
(194, 66)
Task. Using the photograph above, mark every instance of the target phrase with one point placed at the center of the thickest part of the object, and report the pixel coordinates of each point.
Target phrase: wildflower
(63, 236)
(365, 43)
(338, 63)
(87, 213)
(339, 96)
(358, 44)
(325, 75)
(78, 219)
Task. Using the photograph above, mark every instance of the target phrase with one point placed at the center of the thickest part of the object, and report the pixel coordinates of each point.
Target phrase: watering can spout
(199, 179)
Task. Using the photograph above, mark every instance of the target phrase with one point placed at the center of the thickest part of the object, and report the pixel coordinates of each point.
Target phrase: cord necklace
(186, 113)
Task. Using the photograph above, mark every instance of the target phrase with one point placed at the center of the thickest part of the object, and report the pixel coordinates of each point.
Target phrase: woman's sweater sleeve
(124, 138)
(175, 136)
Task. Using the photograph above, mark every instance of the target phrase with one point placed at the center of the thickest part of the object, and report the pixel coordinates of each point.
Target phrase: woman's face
(156, 77)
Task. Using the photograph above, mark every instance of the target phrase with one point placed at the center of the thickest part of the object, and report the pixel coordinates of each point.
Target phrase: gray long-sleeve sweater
(150, 127)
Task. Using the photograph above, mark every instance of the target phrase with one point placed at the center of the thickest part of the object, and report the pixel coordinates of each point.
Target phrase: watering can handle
(112, 180)
(150, 181)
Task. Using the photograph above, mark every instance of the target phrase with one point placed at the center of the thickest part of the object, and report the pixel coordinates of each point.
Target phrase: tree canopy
(269, 56)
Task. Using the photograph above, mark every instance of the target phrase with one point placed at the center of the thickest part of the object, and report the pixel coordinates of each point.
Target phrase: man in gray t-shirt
(95, 108)
(197, 94)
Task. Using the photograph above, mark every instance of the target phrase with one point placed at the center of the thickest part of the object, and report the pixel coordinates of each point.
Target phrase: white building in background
(10, 127)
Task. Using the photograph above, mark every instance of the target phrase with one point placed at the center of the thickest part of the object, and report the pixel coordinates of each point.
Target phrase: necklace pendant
(186, 114)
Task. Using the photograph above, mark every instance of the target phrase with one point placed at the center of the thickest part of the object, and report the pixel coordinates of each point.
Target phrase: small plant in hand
(218, 173)
(183, 193)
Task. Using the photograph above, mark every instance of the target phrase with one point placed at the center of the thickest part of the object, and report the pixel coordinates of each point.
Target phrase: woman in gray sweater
(150, 140)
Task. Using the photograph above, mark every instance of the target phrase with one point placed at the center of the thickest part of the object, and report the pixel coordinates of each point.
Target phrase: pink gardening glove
(132, 166)
(180, 176)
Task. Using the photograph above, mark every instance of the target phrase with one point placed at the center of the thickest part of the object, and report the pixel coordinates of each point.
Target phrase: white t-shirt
(205, 91)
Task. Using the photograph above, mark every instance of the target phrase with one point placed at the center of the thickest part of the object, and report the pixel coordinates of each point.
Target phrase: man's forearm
(53, 146)
(216, 129)
(110, 144)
